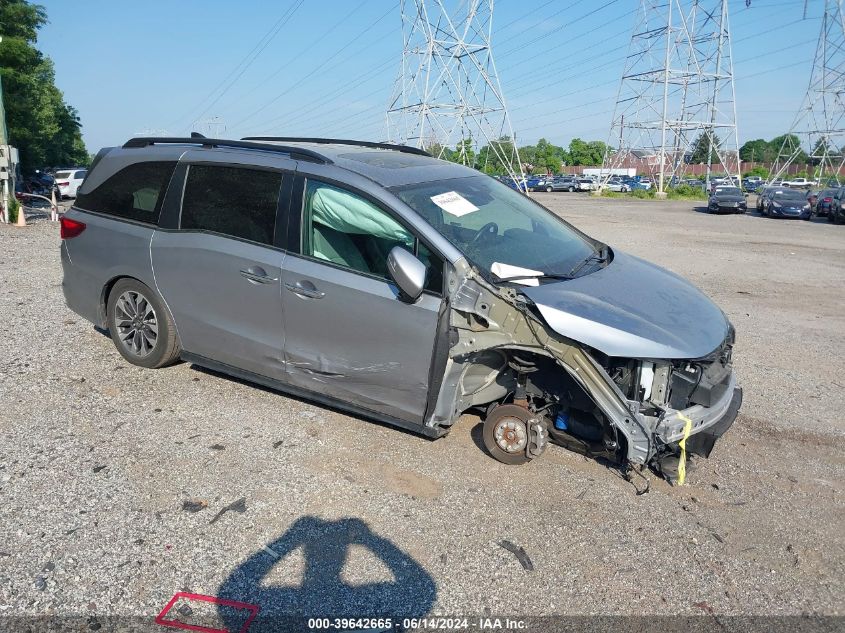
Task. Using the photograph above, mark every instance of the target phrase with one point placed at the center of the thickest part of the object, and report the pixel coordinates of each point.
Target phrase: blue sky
(162, 64)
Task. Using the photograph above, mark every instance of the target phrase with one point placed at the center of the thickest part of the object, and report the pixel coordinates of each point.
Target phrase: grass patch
(686, 192)
(12, 211)
(607, 193)
(642, 194)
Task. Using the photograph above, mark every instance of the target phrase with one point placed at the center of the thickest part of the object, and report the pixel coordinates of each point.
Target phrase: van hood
(633, 309)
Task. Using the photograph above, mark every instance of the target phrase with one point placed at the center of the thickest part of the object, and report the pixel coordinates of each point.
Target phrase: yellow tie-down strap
(682, 464)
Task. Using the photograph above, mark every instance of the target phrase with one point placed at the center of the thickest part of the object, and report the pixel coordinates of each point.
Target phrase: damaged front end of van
(630, 363)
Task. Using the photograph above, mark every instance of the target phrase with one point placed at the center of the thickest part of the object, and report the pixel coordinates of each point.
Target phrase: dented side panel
(357, 341)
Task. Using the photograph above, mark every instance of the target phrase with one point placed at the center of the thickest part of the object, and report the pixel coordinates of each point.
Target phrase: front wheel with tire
(571, 189)
(140, 325)
(548, 189)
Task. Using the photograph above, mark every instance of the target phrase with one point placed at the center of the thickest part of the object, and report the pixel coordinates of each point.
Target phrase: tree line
(541, 157)
(44, 128)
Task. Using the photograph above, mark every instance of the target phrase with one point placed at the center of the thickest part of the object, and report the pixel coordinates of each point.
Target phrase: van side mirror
(408, 272)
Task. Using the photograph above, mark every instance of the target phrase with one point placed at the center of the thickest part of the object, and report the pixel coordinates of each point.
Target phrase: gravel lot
(101, 464)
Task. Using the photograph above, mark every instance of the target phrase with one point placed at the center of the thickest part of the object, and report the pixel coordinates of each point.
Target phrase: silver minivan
(399, 287)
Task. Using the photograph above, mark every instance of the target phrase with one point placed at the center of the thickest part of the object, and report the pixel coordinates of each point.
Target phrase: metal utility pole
(820, 123)
(447, 95)
(676, 92)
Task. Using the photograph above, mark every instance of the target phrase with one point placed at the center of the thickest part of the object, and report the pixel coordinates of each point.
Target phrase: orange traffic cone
(21, 217)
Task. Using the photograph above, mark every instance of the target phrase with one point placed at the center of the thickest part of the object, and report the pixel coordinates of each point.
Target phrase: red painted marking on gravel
(160, 619)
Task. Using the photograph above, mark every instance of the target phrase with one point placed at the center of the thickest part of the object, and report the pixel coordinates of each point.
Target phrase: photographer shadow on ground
(323, 593)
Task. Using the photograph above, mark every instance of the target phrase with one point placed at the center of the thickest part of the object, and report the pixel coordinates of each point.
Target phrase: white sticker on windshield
(454, 203)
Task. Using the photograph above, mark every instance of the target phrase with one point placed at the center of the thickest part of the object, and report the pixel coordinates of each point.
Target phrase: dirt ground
(113, 478)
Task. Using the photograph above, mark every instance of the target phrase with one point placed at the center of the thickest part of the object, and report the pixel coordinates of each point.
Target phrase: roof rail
(338, 141)
(298, 153)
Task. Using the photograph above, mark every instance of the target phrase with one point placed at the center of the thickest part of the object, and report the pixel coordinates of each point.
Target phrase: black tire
(830, 217)
(548, 189)
(571, 189)
(500, 414)
(165, 349)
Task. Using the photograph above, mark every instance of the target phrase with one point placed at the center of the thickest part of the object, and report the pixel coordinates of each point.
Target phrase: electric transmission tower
(676, 102)
(820, 123)
(447, 95)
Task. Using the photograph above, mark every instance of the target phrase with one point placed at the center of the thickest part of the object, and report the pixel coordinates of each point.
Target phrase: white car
(586, 184)
(646, 182)
(68, 181)
(800, 182)
(618, 186)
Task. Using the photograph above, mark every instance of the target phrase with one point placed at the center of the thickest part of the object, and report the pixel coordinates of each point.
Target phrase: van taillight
(70, 228)
(63, 184)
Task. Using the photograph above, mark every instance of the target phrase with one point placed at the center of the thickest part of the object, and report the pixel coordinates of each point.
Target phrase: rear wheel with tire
(571, 189)
(140, 325)
(548, 189)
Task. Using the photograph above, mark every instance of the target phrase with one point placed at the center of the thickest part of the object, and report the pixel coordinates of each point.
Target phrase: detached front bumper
(708, 423)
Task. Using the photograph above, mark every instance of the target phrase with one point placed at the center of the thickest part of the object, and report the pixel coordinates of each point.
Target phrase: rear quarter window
(135, 192)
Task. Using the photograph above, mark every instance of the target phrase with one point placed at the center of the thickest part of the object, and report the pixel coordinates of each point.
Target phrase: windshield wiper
(599, 256)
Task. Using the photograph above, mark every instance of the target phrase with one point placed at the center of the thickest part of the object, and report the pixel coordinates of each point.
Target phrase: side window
(235, 201)
(345, 229)
(432, 261)
(348, 230)
(80, 175)
(135, 192)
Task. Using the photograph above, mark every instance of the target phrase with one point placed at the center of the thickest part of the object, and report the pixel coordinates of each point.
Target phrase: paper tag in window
(454, 203)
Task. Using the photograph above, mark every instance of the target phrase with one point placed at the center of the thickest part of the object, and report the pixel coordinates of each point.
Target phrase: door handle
(305, 289)
(258, 275)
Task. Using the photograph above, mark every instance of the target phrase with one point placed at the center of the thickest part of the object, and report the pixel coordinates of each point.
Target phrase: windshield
(728, 191)
(789, 195)
(62, 174)
(491, 223)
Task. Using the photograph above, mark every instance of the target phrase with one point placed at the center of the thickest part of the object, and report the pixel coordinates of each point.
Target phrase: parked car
(538, 183)
(787, 203)
(618, 185)
(517, 185)
(644, 183)
(382, 281)
(750, 183)
(800, 183)
(563, 183)
(636, 183)
(823, 202)
(762, 197)
(68, 182)
(836, 214)
(727, 200)
(586, 184)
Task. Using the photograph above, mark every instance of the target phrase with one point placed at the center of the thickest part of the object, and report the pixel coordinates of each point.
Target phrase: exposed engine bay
(535, 387)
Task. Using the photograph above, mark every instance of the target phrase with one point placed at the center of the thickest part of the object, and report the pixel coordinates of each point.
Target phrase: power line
(287, 64)
(241, 67)
(338, 52)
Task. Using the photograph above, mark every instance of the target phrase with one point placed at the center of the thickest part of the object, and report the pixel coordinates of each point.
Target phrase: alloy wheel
(136, 323)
